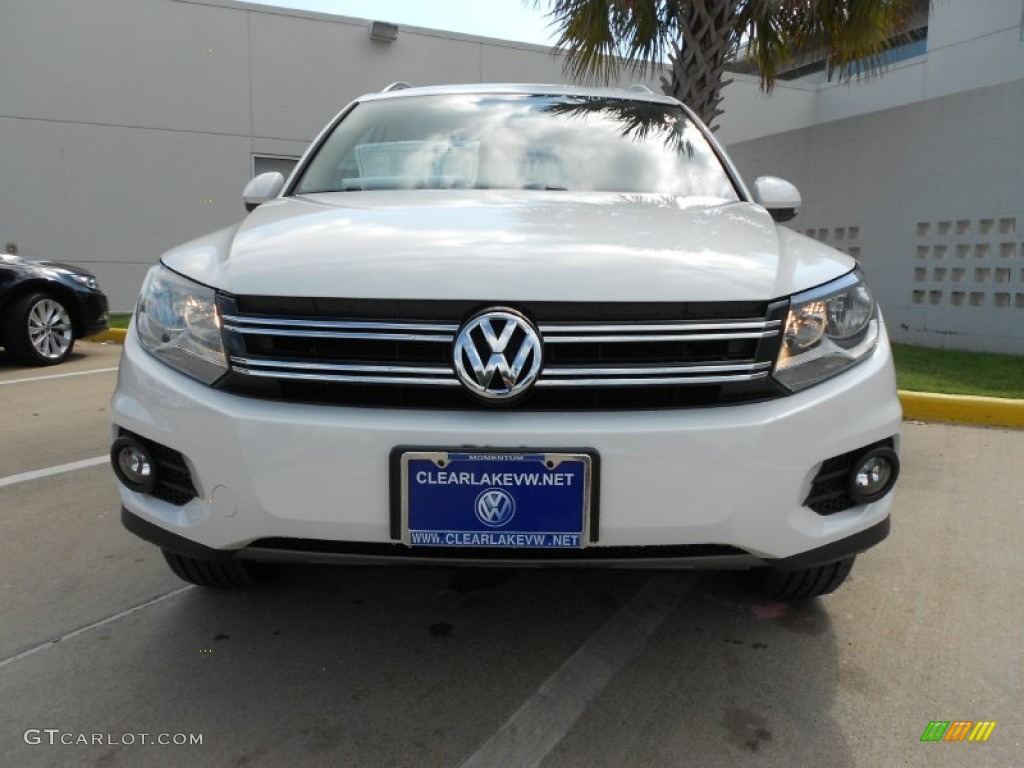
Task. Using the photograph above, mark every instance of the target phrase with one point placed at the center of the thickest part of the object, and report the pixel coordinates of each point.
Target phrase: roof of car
(636, 93)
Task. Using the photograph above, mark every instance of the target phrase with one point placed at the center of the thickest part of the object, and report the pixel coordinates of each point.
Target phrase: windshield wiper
(545, 187)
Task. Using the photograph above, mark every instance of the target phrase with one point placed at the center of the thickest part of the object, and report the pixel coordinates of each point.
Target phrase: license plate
(495, 500)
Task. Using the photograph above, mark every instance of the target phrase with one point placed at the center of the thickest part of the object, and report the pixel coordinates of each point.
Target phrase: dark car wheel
(215, 574)
(38, 330)
(797, 585)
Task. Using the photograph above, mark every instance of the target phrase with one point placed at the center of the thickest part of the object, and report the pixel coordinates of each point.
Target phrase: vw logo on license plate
(495, 507)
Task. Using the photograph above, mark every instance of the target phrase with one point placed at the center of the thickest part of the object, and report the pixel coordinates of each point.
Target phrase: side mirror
(781, 198)
(264, 187)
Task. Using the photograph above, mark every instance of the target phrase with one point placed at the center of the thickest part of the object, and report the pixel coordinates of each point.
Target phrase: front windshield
(489, 141)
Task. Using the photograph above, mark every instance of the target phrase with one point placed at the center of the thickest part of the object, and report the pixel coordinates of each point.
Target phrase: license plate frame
(542, 501)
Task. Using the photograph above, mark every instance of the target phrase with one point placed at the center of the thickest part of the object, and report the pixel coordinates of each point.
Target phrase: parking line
(60, 469)
(59, 375)
(94, 625)
(542, 722)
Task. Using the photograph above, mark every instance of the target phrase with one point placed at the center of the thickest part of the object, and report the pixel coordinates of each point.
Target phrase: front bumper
(723, 486)
(94, 309)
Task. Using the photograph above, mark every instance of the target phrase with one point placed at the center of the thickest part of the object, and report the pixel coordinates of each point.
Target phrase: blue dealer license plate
(495, 500)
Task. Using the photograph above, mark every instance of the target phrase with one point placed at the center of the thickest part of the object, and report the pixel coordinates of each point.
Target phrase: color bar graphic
(982, 730)
(958, 730)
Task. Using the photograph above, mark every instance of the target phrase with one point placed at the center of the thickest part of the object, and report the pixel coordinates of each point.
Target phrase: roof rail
(399, 86)
(640, 88)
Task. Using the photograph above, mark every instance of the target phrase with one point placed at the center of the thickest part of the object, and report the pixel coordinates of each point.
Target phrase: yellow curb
(111, 334)
(963, 409)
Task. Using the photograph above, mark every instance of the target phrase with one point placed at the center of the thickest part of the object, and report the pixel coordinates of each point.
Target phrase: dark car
(45, 307)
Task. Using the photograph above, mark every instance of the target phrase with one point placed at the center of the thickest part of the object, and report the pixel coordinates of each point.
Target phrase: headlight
(829, 329)
(177, 321)
(87, 280)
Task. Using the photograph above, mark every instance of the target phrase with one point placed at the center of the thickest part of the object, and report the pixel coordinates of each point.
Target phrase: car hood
(509, 246)
(28, 264)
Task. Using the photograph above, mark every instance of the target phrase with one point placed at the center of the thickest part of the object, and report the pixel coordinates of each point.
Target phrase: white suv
(510, 325)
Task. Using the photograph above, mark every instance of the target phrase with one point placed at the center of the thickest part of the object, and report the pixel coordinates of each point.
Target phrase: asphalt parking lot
(404, 667)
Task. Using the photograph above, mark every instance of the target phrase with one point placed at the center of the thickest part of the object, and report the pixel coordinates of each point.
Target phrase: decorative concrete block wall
(968, 263)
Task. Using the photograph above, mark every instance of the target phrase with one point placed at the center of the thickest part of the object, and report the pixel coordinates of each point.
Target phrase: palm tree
(700, 38)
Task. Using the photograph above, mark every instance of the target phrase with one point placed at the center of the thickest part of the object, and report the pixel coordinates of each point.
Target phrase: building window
(283, 164)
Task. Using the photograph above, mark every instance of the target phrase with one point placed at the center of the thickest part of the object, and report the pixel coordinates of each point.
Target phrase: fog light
(133, 464)
(873, 475)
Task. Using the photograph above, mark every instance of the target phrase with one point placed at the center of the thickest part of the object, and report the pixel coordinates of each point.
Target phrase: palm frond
(852, 36)
(601, 37)
(699, 38)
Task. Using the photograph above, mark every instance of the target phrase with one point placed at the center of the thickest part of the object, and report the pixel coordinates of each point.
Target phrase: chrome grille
(341, 329)
(649, 358)
(598, 375)
(344, 330)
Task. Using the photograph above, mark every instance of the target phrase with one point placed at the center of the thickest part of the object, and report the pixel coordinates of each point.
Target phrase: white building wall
(971, 44)
(128, 126)
(924, 166)
(930, 199)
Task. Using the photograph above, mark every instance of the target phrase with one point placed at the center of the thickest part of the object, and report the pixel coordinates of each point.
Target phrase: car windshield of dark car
(488, 141)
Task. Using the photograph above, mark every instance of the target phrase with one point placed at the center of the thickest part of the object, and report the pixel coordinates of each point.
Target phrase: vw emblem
(495, 507)
(498, 354)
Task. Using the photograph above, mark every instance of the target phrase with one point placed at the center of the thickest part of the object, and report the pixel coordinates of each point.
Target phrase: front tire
(213, 574)
(799, 584)
(39, 330)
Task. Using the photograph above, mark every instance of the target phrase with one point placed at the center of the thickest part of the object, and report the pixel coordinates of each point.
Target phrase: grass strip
(952, 372)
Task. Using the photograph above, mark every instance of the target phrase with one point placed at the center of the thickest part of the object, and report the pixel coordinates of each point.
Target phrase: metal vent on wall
(383, 31)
